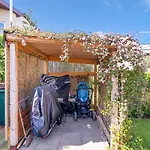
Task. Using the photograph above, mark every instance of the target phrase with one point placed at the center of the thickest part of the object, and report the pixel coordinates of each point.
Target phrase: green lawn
(141, 128)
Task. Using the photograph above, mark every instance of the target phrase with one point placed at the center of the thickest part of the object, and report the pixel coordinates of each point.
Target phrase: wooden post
(47, 66)
(13, 95)
(114, 116)
(6, 92)
(95, 86)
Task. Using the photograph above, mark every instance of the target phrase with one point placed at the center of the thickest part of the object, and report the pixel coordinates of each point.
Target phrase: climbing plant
(2, 61)
(128, 53)
(120, 56)
(136, 91)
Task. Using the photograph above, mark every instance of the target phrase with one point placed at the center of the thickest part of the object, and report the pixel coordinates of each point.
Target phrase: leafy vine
(128, 53)
(117, 55)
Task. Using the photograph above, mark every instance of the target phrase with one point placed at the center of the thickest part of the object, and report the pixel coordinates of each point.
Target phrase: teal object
(2, 107)
(83, 91)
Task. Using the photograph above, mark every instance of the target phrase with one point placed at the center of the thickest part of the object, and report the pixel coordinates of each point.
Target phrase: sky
(118, 16)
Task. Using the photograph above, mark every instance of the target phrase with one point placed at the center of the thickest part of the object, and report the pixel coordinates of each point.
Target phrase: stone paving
(3, 143)
(83, 134)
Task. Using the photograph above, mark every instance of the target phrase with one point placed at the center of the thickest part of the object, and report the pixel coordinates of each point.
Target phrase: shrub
(140, 109)
(138, 92)
(2, 61)
(148, 79)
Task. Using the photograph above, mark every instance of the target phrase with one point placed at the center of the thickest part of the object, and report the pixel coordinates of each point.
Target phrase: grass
(141, 129)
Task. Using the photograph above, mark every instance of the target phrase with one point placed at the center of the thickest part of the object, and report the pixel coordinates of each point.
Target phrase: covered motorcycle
(61, 86)
(46, 110)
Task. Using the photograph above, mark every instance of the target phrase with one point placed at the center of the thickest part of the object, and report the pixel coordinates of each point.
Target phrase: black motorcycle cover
(60, 84)
(46, 110)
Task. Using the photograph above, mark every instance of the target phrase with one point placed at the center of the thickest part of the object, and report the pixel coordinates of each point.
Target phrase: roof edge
(6, 5)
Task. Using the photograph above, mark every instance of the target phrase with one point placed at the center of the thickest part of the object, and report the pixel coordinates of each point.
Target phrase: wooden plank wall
(75, 81)
(70, 67)
(30, 69)
(102, 93)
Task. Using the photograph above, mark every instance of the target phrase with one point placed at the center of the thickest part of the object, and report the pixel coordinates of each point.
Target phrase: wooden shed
(25, 62)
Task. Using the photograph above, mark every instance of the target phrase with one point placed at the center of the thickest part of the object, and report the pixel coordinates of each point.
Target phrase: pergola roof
(52, 49)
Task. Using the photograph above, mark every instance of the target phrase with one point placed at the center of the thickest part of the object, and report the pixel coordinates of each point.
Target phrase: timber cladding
(103, 93)
(75, 81)
(30, 69)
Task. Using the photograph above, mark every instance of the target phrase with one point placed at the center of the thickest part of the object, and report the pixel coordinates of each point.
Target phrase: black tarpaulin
(46, 110)
(60, 84)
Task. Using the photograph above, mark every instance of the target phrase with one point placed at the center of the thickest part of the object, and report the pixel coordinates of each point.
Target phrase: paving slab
(49, 143)
(83, 134)
(3, 143)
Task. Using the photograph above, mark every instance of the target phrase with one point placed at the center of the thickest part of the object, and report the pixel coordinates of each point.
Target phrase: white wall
(146, 48)
(4, 17)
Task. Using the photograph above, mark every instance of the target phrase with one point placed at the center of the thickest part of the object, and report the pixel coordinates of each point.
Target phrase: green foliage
(140, 109)
(135, 84)
(132, 96)
(135, 92)
(130, 142)
(107, 110)
(148, 79)
(136, 144)
(2, 61)
(124, 139)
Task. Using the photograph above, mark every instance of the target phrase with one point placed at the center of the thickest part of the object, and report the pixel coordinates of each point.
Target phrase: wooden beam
(32, 50)
(15, 38)
(71, 73)
(13, 94)
(47, 66)
(75, 60)
(114, 116)
(95, 86)
(29, 51)
(36, 50)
